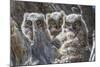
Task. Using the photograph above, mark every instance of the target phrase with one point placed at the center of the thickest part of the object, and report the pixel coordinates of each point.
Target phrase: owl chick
(55, 21)
(75, 47)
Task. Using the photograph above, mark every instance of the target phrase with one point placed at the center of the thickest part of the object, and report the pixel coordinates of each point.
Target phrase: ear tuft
(79, 16)
(62, 12)
(26, 14)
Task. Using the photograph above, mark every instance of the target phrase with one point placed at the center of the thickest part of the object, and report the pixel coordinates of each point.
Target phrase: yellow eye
(38, 22)
(52, 22)
(78, 23)
(29, 22)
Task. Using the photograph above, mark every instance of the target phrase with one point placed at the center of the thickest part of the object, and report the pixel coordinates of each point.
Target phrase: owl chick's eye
(38, 22)
(77, 23)
(52, 22)
(29, 22)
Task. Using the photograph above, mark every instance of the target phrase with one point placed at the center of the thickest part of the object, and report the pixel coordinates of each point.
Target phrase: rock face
(37, 47)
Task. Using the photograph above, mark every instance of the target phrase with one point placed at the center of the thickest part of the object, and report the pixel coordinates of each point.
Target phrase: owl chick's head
(55, 21)
(73, 22)
(38, 20)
